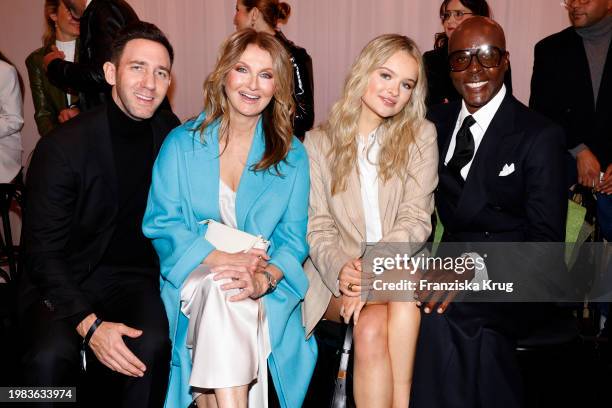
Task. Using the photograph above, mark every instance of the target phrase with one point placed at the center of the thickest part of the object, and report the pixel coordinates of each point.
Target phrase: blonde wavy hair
(398, 131)
(277, 116)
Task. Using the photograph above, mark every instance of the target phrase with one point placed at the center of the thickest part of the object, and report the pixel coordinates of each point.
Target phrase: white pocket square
(507, 170)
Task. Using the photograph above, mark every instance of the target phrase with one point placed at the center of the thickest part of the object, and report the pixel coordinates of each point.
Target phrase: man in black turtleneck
(572, 84)
(91, 279)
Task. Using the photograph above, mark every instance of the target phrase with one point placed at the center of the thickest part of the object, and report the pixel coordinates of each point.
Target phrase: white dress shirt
(367, 161)
(483, 118)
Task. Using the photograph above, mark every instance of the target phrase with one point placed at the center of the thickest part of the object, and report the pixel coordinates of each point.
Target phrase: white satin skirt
(229, 341)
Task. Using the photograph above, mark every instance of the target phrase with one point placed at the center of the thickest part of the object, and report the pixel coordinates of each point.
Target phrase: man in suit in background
(572, 85)
(501, 180)
(91, 278)
(100, 20)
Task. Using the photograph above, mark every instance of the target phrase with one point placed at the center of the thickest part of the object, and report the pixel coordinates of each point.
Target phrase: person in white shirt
(53, 105)
(501, 181)
(11, 121)
(373, 171)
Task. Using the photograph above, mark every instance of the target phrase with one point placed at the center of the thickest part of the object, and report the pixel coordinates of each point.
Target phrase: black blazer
(100, 23)
(528, 205)
(561, 89)
(72, 202)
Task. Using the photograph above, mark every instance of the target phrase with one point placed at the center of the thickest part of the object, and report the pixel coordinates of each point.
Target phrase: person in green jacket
(53, 105)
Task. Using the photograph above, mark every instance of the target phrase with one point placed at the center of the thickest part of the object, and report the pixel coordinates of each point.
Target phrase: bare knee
(370, 336)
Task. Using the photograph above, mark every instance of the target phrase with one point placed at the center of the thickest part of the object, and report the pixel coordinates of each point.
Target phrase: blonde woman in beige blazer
(373, 169)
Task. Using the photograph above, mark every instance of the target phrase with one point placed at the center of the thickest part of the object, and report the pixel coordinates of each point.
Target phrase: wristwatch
(271, 282)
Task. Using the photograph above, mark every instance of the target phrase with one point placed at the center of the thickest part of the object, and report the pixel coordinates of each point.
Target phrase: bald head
(476, 29)
(478, 60)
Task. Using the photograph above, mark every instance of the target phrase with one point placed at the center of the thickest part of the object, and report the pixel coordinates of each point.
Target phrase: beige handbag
(232, 240)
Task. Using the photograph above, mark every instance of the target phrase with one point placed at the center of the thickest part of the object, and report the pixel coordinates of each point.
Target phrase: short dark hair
(135, 31)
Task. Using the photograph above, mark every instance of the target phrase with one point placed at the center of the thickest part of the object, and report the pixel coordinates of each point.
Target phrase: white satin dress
(229, 341)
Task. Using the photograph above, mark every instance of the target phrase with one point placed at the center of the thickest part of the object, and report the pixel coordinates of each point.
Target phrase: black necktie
(464, 148)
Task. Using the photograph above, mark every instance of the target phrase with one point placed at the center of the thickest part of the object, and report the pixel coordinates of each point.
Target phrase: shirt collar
(87, 4)
(484, 115)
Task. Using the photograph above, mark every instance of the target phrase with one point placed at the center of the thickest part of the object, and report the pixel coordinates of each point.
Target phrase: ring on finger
(350, 286)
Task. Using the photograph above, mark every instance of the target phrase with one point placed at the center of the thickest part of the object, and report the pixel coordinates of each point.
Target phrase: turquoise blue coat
(185, 190)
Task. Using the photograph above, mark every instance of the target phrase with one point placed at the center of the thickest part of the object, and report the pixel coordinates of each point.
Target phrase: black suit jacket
(72, 204)
(528, 205)
(100, 23)
(561, 89)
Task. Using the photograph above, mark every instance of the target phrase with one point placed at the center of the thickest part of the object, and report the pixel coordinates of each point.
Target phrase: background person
(374, 169)
(53, 105)
(11, 121)
(237, 163)
(100, 20)
(266, 15)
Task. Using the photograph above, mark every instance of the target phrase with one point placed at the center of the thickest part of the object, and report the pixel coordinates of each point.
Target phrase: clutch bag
(232, 240)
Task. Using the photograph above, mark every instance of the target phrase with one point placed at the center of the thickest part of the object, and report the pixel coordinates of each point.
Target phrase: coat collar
(253, 184)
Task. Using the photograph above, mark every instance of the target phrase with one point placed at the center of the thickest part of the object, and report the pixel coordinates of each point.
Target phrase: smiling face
(477, 84)
(585, 15)
(250, 84)
(451, 23)
(66, 27)
(141, 78)
(390, 86)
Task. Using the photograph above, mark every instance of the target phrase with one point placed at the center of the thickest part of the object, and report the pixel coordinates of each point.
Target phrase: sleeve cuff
(581, 147)
(480, 273)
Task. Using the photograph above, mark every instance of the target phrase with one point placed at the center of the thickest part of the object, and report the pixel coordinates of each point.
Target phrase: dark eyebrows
(138, 62)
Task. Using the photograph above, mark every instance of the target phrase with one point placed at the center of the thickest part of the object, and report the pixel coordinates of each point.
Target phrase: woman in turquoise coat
(243, 143)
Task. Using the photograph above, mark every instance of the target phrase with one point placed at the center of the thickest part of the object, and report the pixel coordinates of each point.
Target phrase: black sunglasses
(488, 56)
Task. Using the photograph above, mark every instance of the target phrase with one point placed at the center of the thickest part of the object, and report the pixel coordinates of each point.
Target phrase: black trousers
(52, 348)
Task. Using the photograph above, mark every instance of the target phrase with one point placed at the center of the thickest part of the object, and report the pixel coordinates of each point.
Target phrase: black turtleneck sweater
(132, 143)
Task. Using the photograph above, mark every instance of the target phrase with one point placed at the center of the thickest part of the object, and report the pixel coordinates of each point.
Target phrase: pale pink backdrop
(333, 32)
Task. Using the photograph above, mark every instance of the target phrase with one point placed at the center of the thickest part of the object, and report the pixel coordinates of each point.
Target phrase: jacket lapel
(202, 165)
(351, 199)
(484, 166)
(605, 87)
(252, 184)
(103, 149)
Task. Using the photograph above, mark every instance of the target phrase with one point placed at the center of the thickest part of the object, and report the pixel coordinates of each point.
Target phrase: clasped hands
(245, 269)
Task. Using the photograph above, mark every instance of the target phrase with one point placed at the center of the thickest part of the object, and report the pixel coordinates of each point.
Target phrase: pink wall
(333, 32)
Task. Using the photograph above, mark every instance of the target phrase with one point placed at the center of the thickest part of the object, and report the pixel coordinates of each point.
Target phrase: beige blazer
(336, 224)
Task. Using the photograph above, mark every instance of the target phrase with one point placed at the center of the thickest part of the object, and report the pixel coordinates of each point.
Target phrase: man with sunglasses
(100, 21)
(572, 85)
(499, 181)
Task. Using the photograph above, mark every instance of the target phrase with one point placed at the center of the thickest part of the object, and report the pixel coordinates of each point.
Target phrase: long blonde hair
(398, 131)
(277, 116)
